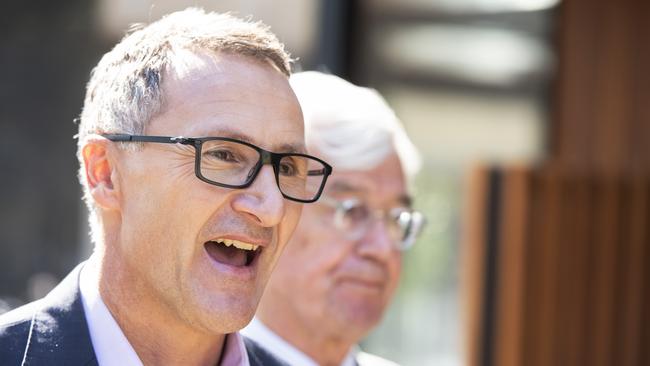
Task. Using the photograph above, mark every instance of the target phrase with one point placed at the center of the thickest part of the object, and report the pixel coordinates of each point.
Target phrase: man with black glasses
(193, 165)
(342, 265)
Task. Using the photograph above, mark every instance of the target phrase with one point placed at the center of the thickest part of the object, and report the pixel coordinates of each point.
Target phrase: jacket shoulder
(367, 359)
(19, 315)
(14, 332)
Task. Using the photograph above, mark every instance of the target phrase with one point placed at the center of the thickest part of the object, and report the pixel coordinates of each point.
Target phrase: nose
(262, 201)
(377, 242)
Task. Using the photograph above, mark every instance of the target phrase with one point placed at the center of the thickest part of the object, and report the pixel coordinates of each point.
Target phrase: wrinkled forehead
(196, 63)
(383, 185)
(235, 96)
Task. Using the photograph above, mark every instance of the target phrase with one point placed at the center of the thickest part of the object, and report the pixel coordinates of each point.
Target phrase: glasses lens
(228, 162)
(352, 217)
(355, 218)
(411, 224)
(300, 177)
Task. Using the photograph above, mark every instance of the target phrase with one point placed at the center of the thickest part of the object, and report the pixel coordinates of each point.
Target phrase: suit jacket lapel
(258, 356)
(59, 333)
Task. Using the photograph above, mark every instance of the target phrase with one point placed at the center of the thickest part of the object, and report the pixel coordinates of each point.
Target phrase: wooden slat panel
(585, 242)
(573, 275)
(635, 238)
(573, 267)
(639, 92)
(472, 261)
(511, 275)
(613, 81)
(603, 274)
(601, 85)
(541, 272)
(645, 323)
(571, 141)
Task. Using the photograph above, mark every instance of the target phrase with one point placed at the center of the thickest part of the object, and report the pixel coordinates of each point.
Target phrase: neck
(324, 348)
(155, 331)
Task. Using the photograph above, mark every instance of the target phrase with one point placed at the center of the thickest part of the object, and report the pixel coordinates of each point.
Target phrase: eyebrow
(284, 148)
(343, 187)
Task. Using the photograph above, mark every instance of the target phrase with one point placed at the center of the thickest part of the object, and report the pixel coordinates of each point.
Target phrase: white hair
(351, 126)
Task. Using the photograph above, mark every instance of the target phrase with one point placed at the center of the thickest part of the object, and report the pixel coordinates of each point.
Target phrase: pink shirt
(234, 351)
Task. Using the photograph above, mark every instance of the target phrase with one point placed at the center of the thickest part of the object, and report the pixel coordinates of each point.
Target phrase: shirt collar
(110, 345)
(234, 351)
(284, 350)
(109, 342)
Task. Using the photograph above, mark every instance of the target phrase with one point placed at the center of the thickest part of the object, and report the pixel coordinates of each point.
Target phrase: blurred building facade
(558, 253)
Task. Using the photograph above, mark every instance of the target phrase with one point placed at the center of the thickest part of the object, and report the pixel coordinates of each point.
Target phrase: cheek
(155, 208)
(312, 257)
(394, 271)
(166, 217)
(290, 221)
(158, 230)
(324, 257)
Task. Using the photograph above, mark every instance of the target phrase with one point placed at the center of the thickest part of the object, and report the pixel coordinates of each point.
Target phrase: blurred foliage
(422, 324)
(431, 263)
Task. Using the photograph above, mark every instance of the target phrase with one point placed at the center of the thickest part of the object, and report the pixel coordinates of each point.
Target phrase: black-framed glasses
(231, 163)
(353, 217)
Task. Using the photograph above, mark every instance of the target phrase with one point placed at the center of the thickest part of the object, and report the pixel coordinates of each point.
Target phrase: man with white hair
(192, 156)
(342, 265)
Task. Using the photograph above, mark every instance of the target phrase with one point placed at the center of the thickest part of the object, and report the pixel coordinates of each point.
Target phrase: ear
(101, 175)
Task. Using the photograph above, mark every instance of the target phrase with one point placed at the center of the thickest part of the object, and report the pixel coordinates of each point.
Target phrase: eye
(223, 155)
(357, 213)
(287, 168)
(400, 217)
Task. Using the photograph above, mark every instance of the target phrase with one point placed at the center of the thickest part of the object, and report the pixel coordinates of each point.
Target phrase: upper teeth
(238, 244)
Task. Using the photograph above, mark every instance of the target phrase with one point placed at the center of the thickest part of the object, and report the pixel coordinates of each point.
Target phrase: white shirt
(285, 350)
(111, 346)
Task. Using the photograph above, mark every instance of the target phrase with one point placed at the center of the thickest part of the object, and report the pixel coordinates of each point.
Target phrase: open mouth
(232, 252)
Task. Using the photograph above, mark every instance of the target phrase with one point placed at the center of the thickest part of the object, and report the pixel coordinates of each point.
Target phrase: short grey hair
(125, 88)
(351, 126)
(124, 91)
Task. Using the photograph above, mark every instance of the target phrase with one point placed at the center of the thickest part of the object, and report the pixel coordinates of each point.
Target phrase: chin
(364, 315)
(353, 326)
(232, 324)
(224, 321)
(223, 314)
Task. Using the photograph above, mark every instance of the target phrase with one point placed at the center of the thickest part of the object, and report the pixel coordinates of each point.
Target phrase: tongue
(226, 255)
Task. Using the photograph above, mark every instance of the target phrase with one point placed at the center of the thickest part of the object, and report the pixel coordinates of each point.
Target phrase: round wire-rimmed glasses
(231, 163)
(354, 218)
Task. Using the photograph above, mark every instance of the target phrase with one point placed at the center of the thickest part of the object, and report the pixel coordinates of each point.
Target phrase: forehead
(229, 95)
(381, 186)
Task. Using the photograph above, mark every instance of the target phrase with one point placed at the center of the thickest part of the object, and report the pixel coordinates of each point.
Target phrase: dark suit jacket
(53, 331)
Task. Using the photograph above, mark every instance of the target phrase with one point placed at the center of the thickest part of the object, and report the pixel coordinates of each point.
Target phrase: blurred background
(530, 116)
